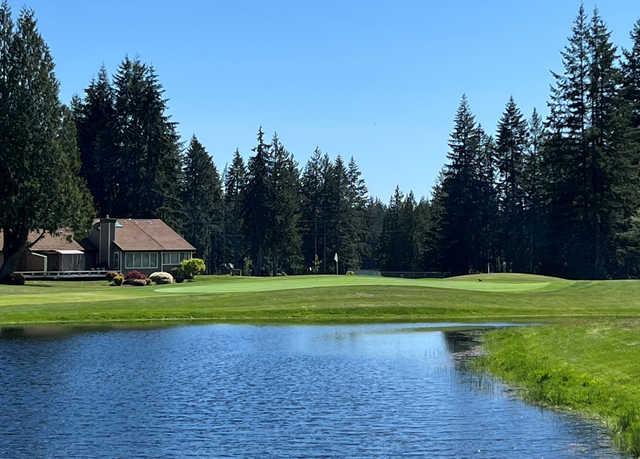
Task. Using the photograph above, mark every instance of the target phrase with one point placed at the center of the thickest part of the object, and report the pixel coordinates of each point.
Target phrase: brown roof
(60, 241)
(148, 234)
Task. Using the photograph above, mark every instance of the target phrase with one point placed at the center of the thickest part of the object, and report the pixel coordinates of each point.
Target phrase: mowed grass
(321, 299)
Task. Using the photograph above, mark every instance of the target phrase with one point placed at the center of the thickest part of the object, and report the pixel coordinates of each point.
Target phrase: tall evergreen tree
(40, 189)
(149, 161)
(202, 203)
(374, 219)
(234, 185)
(284, 236)
(357, 203)
(95, 122)
(534, 195)
(313, 202)
(511, 147)
(257, 205)
(463, 221)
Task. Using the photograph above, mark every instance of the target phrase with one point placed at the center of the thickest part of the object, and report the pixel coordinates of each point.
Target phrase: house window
(141, 260)
(174, 258)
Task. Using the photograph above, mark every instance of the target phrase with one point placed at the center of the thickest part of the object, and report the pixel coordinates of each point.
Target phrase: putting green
(486, 283)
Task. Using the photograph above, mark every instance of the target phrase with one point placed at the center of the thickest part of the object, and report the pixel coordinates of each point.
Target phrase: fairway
(479, 283)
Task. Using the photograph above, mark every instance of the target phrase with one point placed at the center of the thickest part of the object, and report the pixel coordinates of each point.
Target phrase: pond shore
(590, 368)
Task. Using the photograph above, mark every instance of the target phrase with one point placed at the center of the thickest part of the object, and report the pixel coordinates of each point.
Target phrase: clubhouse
(118, 244)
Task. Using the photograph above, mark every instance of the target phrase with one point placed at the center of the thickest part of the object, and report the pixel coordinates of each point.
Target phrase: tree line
(556, 194)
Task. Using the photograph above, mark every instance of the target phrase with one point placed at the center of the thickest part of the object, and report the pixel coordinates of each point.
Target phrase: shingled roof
(61, 241)
(148, 235)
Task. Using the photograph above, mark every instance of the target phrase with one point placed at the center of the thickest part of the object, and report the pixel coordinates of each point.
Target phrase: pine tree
(534, 195)
(567, 160)
(336, 213)
(631, 77)
(202, 201)
(511, 146)
(312, 208)
(374, 217)
(40, 189)
(95, 118)
(257, 204)
(357, 203)
(149, 160)
(463, 222)
(284, 237)
(234, 185)
(392, 250)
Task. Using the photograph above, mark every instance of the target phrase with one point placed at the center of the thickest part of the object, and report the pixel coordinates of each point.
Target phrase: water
(236, 390)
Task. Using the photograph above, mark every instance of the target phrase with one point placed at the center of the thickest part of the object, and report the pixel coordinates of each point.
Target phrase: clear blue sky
(376, 80)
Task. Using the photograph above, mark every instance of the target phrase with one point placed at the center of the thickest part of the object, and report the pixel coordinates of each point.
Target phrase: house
(59, 252)
(147, 245)
(118, 244)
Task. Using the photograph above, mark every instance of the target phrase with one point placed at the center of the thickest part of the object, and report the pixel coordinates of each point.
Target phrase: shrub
(161, 277)
(135, 275)
(192, 267)
(16, 279)
(178, 274)
(136, 282)
(118, 279)
(110, 275)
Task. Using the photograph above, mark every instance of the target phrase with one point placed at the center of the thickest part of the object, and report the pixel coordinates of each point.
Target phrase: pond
(240, 390)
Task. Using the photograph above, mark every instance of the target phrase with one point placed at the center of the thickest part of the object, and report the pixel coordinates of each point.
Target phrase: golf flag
(335, 257)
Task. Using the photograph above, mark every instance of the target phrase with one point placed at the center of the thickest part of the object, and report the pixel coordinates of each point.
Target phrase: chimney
(107, 234)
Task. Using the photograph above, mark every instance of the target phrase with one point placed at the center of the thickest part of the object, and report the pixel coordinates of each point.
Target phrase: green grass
(321, 299)
(586, 358)
(592, 368)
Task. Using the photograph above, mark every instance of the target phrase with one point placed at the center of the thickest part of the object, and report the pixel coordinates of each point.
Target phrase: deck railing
(59, 275)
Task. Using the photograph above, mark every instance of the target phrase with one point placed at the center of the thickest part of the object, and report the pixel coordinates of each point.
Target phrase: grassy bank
(592, 368)
(321, 299)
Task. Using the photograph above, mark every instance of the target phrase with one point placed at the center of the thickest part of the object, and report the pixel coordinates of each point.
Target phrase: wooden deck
(64, 275)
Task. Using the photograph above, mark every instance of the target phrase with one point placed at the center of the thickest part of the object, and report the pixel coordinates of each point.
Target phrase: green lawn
(321, 299)
(586, 357)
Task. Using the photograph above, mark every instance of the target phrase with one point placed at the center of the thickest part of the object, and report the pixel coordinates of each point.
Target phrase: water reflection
(220, 390)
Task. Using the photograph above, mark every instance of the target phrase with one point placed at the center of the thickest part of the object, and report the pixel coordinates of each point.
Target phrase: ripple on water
(236, 390)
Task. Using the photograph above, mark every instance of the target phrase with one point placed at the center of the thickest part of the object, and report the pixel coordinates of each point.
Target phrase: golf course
(578, 348)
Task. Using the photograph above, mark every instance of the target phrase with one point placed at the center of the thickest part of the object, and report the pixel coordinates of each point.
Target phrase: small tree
(192, 267)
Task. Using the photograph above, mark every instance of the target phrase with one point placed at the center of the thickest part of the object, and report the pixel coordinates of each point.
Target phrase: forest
(553, 194)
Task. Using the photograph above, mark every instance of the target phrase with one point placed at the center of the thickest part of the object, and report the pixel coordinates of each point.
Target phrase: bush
(136, 282)
(192, 267)
(16, 279)
(118, 279)
(110, 275)
(135, 275)
(178, 274)
(162, 277)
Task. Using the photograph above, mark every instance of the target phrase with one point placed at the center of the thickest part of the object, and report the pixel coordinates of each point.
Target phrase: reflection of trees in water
(464, 346)
(461, 340)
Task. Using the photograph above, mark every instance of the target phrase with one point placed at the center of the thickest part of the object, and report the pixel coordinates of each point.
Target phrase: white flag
(335, 257)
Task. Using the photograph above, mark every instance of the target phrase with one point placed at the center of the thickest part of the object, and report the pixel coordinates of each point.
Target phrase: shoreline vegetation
(588, 368)
(582, 353)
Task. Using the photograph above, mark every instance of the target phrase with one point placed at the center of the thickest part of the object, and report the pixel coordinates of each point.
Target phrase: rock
(161, 277)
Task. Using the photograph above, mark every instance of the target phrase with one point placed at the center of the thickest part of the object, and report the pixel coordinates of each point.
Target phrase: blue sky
(377, 80)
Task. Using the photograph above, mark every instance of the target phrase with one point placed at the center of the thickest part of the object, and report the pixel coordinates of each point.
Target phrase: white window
(174, 258)
(141, 260)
